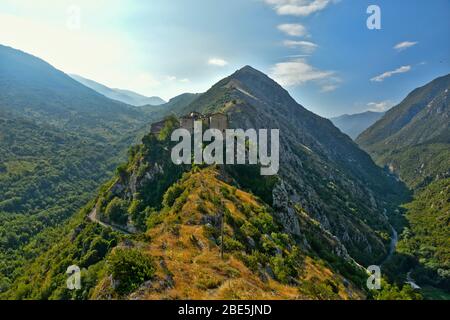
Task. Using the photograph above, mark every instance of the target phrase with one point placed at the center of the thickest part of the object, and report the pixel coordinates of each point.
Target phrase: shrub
(154, 218)
(264, 222)
(250, 230)
(135, 210)
(121, 171)
(116, 211)
(170, 124)
(172, 194)
(232, 245)
(253, 260)
(130, 268)
(392, 292)
(280, 269)
(287, 267)
(318, 289)
(281, 239)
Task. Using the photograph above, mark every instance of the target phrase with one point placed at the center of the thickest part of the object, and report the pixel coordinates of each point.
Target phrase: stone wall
(218, 121)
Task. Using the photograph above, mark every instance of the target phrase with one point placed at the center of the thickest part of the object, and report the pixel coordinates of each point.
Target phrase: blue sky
(319, 50)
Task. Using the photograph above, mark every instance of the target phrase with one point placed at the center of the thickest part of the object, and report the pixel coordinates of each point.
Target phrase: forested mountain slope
(59, 141)
(413, 138)
(413, 141)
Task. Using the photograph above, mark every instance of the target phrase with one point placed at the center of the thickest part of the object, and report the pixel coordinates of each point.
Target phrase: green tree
(116, 211)
(131, 268)
(393, 292)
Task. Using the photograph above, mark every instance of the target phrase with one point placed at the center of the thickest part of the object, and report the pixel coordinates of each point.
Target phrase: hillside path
(93, 217)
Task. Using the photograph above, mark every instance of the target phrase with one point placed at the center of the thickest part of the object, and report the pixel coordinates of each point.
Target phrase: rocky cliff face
(143, 180)
(321, 169)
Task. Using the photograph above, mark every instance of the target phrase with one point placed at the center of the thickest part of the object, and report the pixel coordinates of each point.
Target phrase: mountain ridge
(420, 122)
(122, 95)
(397, 118)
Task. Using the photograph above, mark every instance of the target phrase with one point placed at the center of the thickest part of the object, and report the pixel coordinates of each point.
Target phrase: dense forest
(47, 174)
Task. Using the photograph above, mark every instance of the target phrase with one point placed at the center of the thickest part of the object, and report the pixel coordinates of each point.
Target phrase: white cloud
(293, 29)
(175, 79)
(297, 72)
(389, 74)
(404, 45)
(298, 7)
(305, 46)
(298, 56)
(380, 106)
(329, 87)
(217, 62)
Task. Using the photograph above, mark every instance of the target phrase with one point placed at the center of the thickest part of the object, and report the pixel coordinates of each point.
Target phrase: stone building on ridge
(216, 120)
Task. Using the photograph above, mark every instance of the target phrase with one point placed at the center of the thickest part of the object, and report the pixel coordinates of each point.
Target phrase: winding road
(93, 217)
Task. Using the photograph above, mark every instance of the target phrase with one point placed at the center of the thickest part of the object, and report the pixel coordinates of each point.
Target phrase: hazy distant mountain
(126, 96)
(30, 87)
(174, 106)
(354, 124)
(182, 100)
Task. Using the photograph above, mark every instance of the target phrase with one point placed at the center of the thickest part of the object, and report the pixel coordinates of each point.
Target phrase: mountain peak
(257, 83)
(248, 68)
(248, 71)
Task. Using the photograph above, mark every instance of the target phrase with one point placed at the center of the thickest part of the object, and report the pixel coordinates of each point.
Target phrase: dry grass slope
(188, 260)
